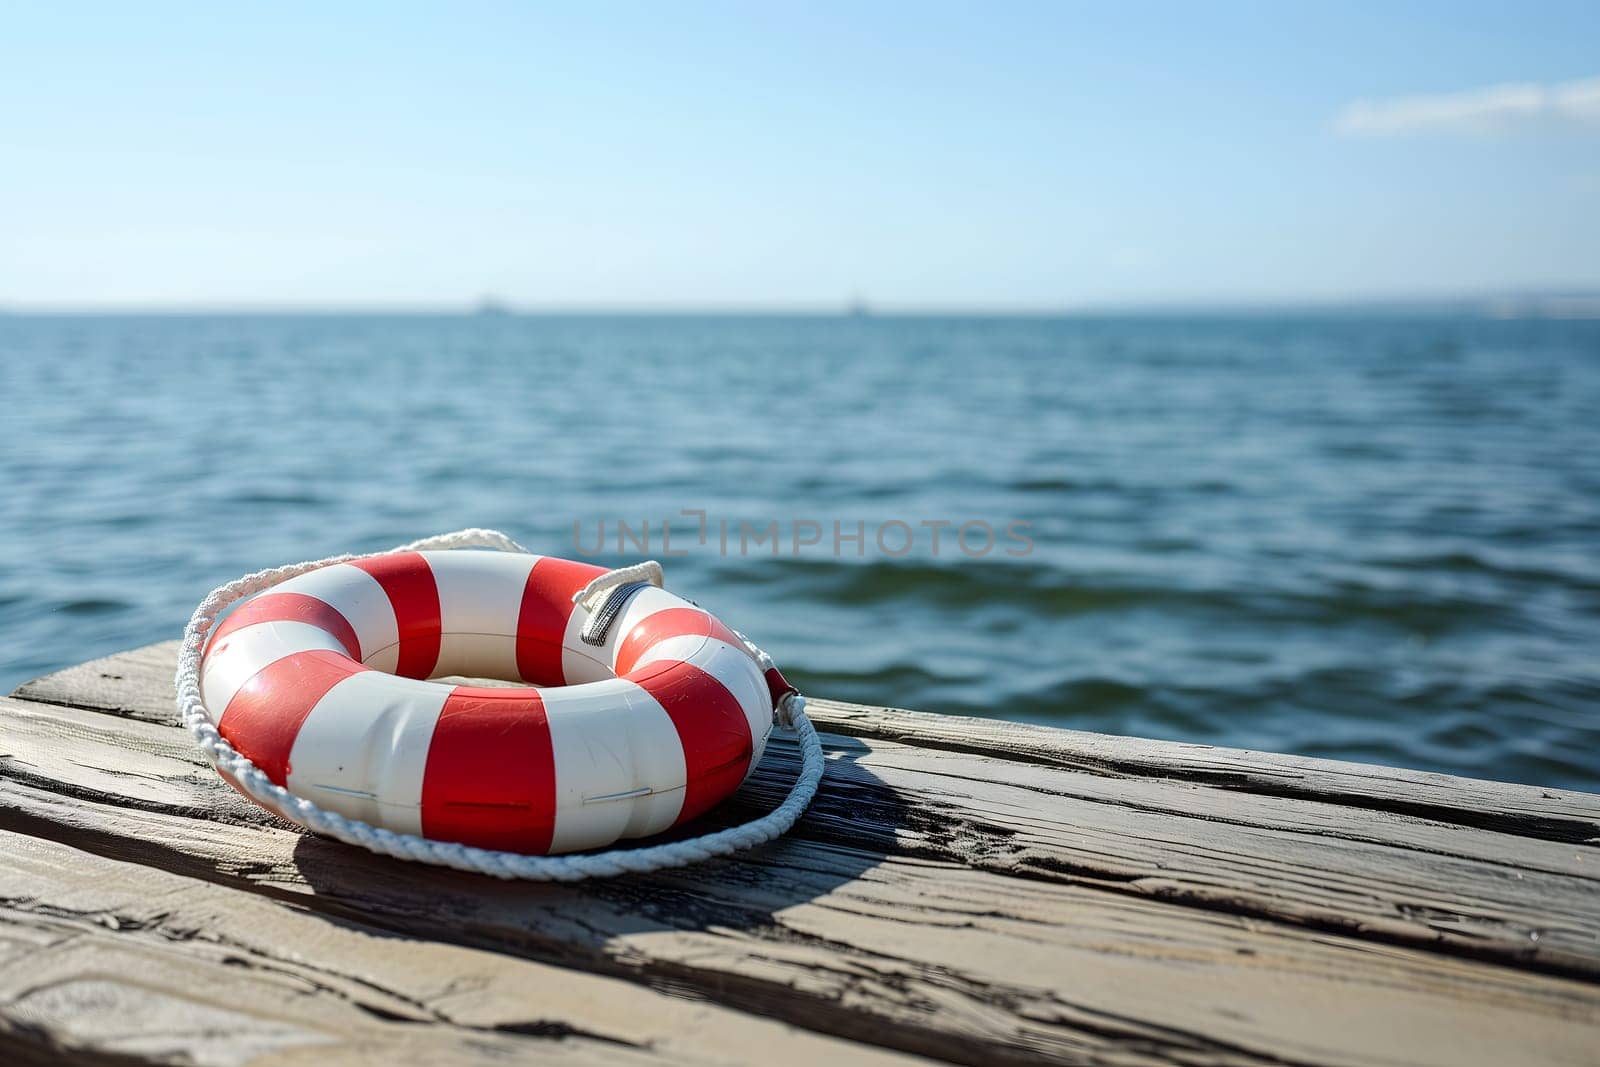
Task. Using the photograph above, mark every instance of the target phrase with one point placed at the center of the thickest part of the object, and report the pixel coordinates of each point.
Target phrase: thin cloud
(1497, 107)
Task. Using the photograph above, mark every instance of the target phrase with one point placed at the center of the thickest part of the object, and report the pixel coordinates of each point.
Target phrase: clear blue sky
(915, 154)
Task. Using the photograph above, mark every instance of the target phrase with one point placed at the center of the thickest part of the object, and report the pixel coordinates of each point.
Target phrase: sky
(910, 155)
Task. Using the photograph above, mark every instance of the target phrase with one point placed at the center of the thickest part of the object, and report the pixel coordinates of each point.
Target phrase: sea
(1370, 536)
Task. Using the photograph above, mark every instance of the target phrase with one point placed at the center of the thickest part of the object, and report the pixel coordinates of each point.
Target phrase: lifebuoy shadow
(849, 828)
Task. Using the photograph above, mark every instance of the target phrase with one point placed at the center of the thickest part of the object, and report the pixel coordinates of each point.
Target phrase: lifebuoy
(643, 710)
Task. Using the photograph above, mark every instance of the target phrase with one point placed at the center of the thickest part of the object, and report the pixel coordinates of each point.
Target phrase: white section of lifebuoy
(480, 595)
(356, 595)
(619, 763)
(581, 662)
(363, 749)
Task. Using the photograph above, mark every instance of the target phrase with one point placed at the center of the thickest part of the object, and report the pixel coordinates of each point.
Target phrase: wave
(1117, 487)
(276, 498)
(1473, 563)
(1042, 590)
(93, 606)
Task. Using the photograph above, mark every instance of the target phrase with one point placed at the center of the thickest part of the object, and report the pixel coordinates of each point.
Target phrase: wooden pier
(962, 890)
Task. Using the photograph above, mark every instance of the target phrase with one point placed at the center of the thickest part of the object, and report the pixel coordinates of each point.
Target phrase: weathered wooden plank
(1554, 814)
(137, 684)
(1001, 927)
(1521, 900)
(973, 966)
(99, 957)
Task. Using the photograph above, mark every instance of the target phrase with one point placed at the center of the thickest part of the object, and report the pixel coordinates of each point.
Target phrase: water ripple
(1371, 539)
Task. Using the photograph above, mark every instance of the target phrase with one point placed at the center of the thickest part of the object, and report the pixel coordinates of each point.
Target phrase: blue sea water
(1373, 538)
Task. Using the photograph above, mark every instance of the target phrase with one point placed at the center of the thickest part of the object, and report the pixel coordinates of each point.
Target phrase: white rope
(571, 868)
(592, 595)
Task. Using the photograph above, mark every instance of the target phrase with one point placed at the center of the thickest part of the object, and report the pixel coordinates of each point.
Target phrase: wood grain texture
(958, 964)
(123, 959)
(1554, 814)
(136, 684)
(1318, 862)
(1520, 899)
(985, 893)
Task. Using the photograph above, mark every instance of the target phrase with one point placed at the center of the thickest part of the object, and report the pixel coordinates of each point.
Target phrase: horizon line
(1552, 301)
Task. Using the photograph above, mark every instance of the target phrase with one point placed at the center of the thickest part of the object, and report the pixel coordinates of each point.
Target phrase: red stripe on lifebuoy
(292, 607)
(778, 685)
(542, 620)
(414, 594)
(491, 772)
(265, 715)
(711, 726)
(670, 622)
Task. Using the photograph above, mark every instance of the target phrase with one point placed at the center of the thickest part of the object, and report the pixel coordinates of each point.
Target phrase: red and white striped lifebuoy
(320, 681)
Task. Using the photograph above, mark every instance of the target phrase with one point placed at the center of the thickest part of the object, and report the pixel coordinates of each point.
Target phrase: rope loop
(510, 865)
